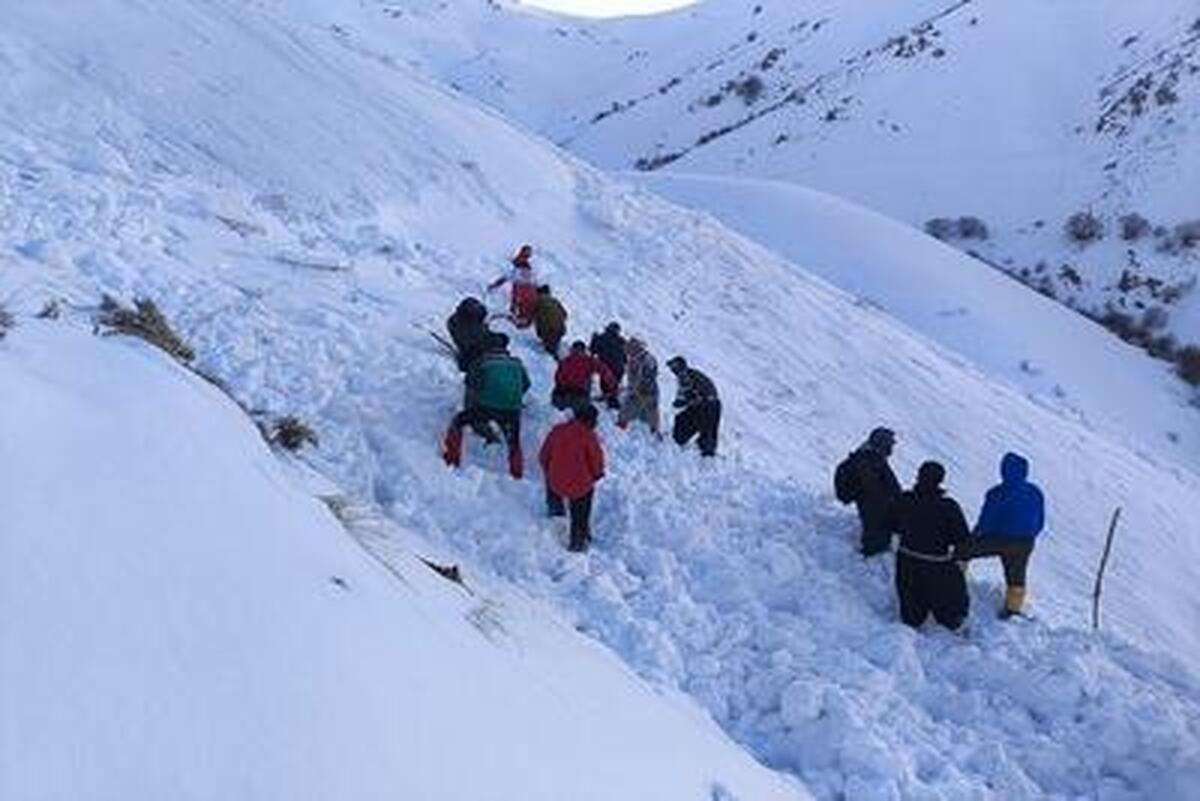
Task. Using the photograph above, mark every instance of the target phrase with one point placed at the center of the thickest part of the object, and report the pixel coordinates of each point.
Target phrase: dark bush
(749, 89)
(50, 311)
(291, 433)
(942, 228)
(1188, 233)
(972, 228)
(6, 322)
(1084, 227)
(1134, 226)
(145, 322)
(1187, 363)
(1155, 318)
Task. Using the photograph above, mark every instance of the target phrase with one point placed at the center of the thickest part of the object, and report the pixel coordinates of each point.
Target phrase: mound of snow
(183, 621)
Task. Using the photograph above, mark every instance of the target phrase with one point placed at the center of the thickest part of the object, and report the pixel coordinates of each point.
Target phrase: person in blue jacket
(1013, 514)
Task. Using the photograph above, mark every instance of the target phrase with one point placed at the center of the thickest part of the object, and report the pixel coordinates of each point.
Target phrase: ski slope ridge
(305, 225)
(1019, 114)
(194, 626)
(1062, 359)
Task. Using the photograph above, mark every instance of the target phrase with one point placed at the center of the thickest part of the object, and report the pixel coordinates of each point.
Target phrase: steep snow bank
(183, 622)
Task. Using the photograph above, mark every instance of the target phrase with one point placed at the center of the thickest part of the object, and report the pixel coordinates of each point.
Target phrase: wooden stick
(1112, 529)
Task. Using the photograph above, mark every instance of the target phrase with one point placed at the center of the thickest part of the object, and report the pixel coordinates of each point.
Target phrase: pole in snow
(1112, 529)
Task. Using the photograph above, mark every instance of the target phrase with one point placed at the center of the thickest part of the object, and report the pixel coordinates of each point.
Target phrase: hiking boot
(452, 447)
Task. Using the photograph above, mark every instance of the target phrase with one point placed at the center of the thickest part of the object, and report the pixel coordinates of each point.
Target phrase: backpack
(845, 480)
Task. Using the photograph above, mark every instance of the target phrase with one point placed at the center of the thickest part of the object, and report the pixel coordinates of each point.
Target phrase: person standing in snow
(699, 407)
(573, 379)
(549, 320)
(468, 331)
(866, 479)
(523, 302)
(496, 384)
(1013, 515)
(641, 387)
(572, 462)
(932, 529)
(609, 347)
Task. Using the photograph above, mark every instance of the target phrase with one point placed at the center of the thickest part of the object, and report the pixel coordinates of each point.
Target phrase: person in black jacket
(932, 529)
(609, 347)
(699, 405)
(876, 489)
(468, 330)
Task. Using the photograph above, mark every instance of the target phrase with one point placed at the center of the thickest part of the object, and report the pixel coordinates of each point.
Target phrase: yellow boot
(1014, 599)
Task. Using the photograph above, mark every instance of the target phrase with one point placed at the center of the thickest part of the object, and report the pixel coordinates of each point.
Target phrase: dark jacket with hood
(1014, 509)
(469, 331)
(609, 347)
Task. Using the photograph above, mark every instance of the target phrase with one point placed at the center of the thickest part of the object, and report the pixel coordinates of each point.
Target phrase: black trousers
(479, 419)
(703, 419)
(925, 587)
(564, 398)
(581, 516)
(1014, 556)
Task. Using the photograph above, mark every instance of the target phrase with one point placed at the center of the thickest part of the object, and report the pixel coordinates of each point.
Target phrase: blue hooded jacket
(1013, 509)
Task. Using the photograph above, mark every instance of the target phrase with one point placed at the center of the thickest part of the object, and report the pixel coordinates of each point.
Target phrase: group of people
(571, 456)
(935, 543)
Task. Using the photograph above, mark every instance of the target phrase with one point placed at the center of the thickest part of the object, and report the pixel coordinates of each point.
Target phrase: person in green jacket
(496, 386)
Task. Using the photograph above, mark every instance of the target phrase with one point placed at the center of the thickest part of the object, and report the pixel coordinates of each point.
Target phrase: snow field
(185, 622)
(306, 281)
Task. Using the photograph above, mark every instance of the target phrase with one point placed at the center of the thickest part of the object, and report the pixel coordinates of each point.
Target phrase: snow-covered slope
(1063, 360)
(1020, 114)
(183, 621)
(304, 209)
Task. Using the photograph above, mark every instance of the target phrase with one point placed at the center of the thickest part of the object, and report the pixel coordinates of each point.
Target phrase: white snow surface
(1017, 112)
(304, 209)
(184, 621)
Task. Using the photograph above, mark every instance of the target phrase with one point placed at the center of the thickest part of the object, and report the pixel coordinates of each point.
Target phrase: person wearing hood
(609, 347)
(932, 529)
(468, 330)
(1013, 515)
(641, 389)
(523, 280)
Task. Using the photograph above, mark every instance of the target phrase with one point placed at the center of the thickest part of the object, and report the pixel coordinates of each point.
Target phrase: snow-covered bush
(1084, 227)
(1134, 226)
(145, 322)
(966, 227)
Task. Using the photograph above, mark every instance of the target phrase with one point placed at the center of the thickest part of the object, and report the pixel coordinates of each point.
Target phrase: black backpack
(845, 479)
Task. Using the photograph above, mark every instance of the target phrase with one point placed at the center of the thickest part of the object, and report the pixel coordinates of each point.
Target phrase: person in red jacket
(573, 379)
(573, 461)
(524, 299)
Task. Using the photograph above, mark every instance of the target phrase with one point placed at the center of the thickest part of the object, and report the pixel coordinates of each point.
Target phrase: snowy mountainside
(305, 210)
(1018, 114)
(186, 622)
